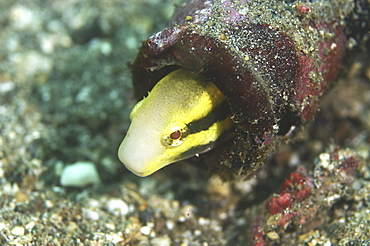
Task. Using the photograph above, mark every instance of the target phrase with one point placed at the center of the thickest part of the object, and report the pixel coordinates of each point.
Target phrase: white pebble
(49, 203)
(93, 203)
(273, 235)
(327, 243)
(117, 207)
(203, 221)
(161, 241)
(170, 225)
(10, 189)
(106, 48)
(79, 174)
(30, 226)
(115, 238)
(324, 160)
(32, 63)
(6, 86)
(90, 214)
(131, 43)
(23, 18)
(110, 226)
(2, 226)
(145, 230)
(18, 230)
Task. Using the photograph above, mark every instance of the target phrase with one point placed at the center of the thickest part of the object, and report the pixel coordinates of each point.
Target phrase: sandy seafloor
(65, 97)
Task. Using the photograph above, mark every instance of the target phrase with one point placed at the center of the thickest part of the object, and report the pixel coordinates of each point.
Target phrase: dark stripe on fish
(201, 148)
(218, 114)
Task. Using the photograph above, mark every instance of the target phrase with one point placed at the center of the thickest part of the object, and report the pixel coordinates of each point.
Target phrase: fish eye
(175, 137)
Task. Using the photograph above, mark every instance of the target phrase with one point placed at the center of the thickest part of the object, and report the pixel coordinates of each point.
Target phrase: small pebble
(90, 214)
(71, 227)
(18, 230)
(79, 174)
(110, 226)
(324, 160)
(327, 243)
(170, 225)
(273, 235)
(32, 63)
(161, 241)
(115, 238)
(30, 226)
(21, 196)
(49, 204)
(24, 18)
(145, 230)
(6, 86)
(117, 207)
(2, 226)
(203, 221)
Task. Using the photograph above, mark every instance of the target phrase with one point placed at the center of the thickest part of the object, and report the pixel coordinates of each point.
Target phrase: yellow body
(183, 115)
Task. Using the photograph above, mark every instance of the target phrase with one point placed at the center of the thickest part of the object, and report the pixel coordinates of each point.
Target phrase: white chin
(138, 155)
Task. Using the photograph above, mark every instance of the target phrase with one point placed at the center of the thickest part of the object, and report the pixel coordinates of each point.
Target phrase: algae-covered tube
(270, 62)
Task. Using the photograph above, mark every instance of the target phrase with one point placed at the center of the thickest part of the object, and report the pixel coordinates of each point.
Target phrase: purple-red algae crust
(273, 60)
(305, 197)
